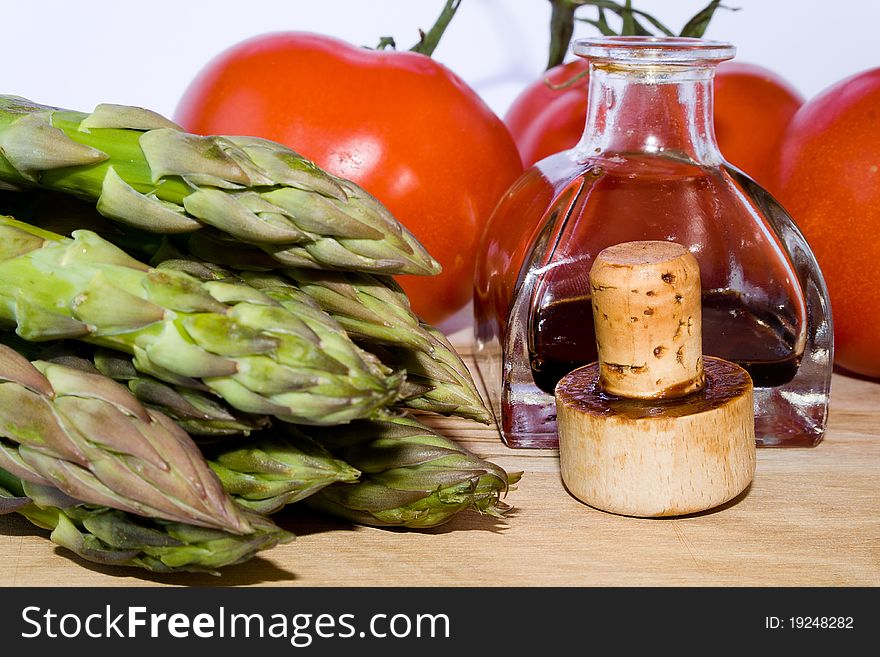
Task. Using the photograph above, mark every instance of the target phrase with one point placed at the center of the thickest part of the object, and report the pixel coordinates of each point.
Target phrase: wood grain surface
(810, 518)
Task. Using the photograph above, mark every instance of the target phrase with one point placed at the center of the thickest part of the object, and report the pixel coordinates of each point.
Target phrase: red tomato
(827, 175)
(752, 107)
(543, 120)
(399, 124)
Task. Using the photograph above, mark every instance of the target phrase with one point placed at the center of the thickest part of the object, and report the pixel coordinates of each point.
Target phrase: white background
(76, 54)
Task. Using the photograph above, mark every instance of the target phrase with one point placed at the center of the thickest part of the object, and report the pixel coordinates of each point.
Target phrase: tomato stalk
(428, 41)
(634, 22)
(561, 29)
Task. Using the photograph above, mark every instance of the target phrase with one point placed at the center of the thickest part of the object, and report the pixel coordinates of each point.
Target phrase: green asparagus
(196, 410)
(256, 353)
(443, 382)
(114, 538)
(271, 470)
(411, 476)
(89, 437)
(141, 169)
(262, 473)
(333, 338)
(374, 310)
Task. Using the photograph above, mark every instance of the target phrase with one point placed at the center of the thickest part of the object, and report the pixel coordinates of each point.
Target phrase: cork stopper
(646, 311)
(653, 428)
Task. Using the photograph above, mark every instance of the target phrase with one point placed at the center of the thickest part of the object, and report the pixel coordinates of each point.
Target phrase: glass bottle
(648, 168)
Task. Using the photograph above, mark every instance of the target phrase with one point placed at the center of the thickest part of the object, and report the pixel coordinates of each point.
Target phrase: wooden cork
(653, 428)
(646, 311)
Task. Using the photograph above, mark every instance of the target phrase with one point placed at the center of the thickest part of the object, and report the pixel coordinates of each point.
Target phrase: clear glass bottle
(648, 168)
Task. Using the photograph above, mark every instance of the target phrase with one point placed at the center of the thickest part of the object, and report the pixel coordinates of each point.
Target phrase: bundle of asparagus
(406, 473)
(257, 354)
(229, 343)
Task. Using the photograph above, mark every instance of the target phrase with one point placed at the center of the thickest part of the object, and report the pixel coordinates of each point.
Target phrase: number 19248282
(809, 622)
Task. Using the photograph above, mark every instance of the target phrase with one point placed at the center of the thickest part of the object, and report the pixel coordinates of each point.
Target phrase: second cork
(653, 428)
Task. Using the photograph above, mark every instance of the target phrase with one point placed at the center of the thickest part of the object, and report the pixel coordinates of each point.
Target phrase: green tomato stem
(429, 40)
(561, 30)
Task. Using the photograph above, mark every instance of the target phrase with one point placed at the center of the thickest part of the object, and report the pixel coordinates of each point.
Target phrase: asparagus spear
(411, 476)
(89, 437)
(269, 471)
(371, 308)
(114, 538)
(196, 409)
(334, 340)
(444, 383)
(257, 354)
(143, 170)
(375, 311)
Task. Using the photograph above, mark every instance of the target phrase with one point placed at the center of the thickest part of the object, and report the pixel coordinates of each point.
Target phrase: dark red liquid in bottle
(562, 339)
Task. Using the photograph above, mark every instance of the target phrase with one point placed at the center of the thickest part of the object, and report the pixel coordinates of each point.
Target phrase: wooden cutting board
(811, 517)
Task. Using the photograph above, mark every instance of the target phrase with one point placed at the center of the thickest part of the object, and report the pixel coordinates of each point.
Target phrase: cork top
(638, 254)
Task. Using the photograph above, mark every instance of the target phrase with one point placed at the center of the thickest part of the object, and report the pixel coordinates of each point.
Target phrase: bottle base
(522, 425)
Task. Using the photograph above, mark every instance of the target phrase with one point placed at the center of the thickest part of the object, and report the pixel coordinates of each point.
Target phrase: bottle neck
(650, 109)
